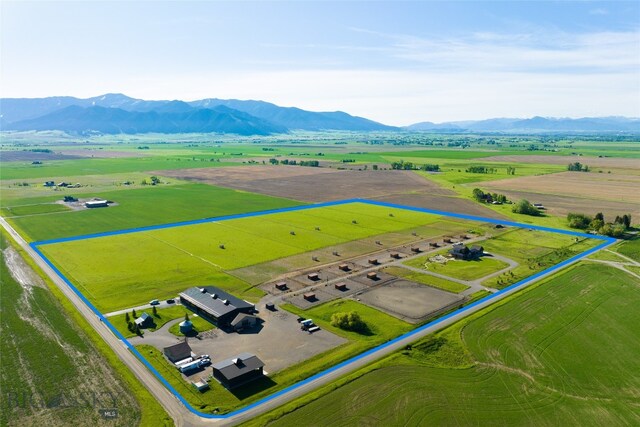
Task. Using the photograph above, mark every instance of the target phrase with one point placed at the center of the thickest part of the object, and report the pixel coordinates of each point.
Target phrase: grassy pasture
(435, 282)
(35, 209)
(460, 269)
(126, 270)
(146, 206)
(534, 361)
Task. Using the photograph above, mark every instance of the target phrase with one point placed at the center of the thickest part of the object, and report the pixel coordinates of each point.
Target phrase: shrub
(349, 322)
(526, 208)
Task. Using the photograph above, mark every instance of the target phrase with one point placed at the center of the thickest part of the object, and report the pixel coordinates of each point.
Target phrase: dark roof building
(143, 320)
(215, 304)
(463, 252)
(178, 352)
(244, 321)
(240, 370)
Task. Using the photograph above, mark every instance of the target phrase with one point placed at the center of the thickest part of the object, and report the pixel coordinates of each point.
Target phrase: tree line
(617, 228)
(402, 165)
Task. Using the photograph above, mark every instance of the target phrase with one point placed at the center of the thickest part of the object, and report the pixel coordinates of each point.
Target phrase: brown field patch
(604, 162)
(564, 192)
(310, 184)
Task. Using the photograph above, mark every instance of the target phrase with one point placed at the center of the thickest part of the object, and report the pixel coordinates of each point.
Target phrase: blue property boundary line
(35, 246)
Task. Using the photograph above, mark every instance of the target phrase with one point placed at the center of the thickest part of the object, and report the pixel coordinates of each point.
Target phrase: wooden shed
(394, 255)
(309, 296)
(416, 250)
(344, 267)
(341, 286)
(373, 261)
(313, 276)
(373, 275)
(281, 286)
(433, 244)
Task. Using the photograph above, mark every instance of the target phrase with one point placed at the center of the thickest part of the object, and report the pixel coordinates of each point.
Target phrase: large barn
(215, 304)
(240, 370)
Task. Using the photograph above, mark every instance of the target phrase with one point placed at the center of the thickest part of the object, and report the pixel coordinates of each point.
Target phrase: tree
(599, 216)
(274, 161)
(186, 317)
(374, 167)
(596, 224)
(626, 220)
(155, 311)
(511, 170)
(126, 317)
(138, 330)
(578, 220)
(130, 326)
(133, 312)
(349, 322)
(478, 194)
(524, 207)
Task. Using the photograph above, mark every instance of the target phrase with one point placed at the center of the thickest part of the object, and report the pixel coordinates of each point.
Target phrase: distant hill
(535, 125)
(174, 120)
(234, 116)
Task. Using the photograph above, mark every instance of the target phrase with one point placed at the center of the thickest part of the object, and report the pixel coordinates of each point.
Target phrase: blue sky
(396, 62)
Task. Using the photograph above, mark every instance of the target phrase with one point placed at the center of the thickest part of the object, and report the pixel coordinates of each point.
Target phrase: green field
(127, 270)
(146, 206)
(35, 209)
(435, 282)
(460, 269)
(564, 353)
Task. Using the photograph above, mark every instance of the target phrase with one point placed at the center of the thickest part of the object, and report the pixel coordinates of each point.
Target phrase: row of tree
(598, 224)
(482, 197)
(482, 169)
(311, 163)
(402, 165)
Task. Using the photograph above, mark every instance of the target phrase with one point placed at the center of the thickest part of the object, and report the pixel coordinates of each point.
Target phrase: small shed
(464, 237)
(270, 306)
(144, 320)
(178, 352)
(281, 286)
(344, 267)
(372, 275)
(373, 261)
(309, 296)
(433, 244)
(313, 276)
(96, 204)
(394, 255)
(49, 184)
(341, 286)
(416, 250)
(201, 385)
(447, 240)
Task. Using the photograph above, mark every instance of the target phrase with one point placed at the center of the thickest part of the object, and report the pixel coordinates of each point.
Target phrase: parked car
(154, 302)
(171, 301)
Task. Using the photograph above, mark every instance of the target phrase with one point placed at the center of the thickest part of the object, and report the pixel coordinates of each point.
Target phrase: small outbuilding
(341, 286)
(433, 244)
(49, 184)
(372, 275)
(281, 286)
(313, 276)
(244, 368)
(344, 267)
(270, 306)
(144, 320)
(395, 255)
(373, 261)
(96, 204)
(178, 352)
(309, 296)
(416, 250)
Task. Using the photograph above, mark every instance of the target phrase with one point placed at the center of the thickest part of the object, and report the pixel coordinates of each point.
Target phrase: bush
(349, 322)
(577, 220)
(526, 208)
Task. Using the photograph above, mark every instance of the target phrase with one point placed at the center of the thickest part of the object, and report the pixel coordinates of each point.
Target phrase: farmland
(143, 207)
(556, 372)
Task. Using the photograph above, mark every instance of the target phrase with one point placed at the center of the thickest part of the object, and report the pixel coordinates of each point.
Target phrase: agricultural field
(142, 207)
(460, 269)
(160, 263)
(79, 383)
(503, 365)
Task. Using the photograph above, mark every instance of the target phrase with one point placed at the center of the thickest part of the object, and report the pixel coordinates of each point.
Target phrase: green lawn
(146, 206)
(162, 316)
(630, 248)
(563, 353)
(427, 279)
(199, 325)
(460, 269)
(128, 270)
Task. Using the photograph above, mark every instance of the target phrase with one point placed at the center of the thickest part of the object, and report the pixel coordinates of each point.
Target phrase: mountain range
(118, 113)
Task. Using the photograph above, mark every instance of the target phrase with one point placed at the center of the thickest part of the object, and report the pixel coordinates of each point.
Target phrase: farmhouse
(215, 304)
(178, 352)
(96, 204)
(463, 252)
(240, 370)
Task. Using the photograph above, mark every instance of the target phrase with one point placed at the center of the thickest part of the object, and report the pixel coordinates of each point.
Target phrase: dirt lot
(560, 193)
(311, 184)
(604, 162)
(409, 301)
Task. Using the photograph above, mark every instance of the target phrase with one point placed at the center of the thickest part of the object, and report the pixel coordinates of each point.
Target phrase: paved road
(180, 414)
